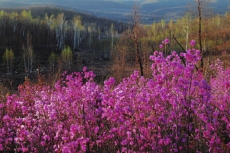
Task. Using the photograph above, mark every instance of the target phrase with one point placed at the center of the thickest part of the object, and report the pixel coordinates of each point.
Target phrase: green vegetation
(9, 57)
(40, 37)
(66, 57)
(178, 101)
(34, 33)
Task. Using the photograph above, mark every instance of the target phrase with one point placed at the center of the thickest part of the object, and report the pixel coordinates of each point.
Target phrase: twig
(183, 51)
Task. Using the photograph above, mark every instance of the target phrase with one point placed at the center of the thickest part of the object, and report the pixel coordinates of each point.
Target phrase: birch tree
(60, 23)
(112, 35)
(65, 30)
(89, 29)
(28, 54)
(14, 20)
(186, 27)
(9, 57)
(77, 28)
(99, 34)
(49, 20)
(2, 23)
(66, 57)
(52, 60)
(26, 18)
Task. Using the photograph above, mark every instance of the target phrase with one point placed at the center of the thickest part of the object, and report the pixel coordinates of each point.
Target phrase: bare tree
(202, 11)
(137, 34)
(199, 7)
(127, 50)
(201, 4)
(112, 35)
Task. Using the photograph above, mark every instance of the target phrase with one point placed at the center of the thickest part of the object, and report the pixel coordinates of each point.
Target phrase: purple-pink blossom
(192, 43)
(166, 41)
(161, 46)
(170, 111)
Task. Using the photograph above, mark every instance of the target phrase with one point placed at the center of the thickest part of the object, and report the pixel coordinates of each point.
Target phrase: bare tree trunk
(139, 58)
(136, 37)
(199, 7)
(78, 39)
(74, 40)
(28, 54)
(8, 67)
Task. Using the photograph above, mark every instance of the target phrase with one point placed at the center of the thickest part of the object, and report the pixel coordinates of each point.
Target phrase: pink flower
(2, 106)
(133, 115)
(224, 53)
(192, 43)
(96, 129)
(84, 69)
(166, 41)
(1, 147)
(66, 149)
(161, 46)
(24, 149)
(111, 81)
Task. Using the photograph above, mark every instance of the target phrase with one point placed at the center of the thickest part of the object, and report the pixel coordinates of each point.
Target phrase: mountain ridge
(120, 10)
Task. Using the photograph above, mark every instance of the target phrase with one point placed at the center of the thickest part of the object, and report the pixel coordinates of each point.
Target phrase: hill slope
(151, 10)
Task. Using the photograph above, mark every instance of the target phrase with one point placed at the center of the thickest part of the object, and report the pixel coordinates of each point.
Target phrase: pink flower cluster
(164, 42)
(176, 110)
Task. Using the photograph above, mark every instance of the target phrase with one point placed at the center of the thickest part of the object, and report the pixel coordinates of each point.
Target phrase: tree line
(55, 37)
(212, 33)
(33, 38)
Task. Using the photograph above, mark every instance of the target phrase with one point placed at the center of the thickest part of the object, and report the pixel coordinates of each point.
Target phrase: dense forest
(48, 40)
(36, 38)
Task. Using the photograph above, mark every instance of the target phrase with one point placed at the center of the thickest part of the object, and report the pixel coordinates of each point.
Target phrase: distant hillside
(151, 10)
(40, 11)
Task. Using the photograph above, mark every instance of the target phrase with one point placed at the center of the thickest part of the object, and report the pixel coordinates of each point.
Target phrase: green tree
(162, 23)
(77, 28)
(9, 57)
(60, 27)
(186, 25)
(66, 57)
(52, 60)
(49, 20)
(26, 15)
(26, 19)
(14, 20)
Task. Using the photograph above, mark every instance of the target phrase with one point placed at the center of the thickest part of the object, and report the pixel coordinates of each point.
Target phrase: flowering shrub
(176, 110)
